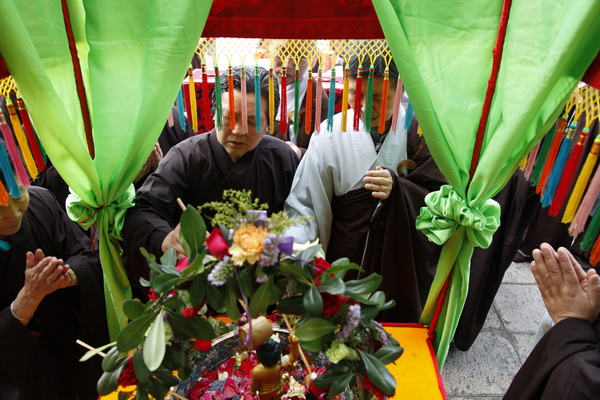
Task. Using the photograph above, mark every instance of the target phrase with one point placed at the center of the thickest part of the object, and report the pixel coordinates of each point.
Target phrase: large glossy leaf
(315, 328)
(196, 265)
(174, 356)
(192, 232)
(291, 305)
(246, 282)
(157, 389)
(340, 268)
(133, 308)
(231, 304)
(309, 253)
(363, 286)
(154, 345)
(109, 382)
(339, 385)
(191, 328)
(169, 258)
(314, 346)
(166, 377)
(164, 282)
(296, 271)
(109, 362)
(139, 366)
(389, 354)
(260, 301)
(312, 301)
(133, 333)
(378, 373)
(198, 291)
(215, 298)
(333, 286)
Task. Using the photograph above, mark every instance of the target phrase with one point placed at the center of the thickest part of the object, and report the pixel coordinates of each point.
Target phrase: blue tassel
(9, 175)
(557, 170)
(408, 117)
(257, 94)
(331, 101)
(180, 108)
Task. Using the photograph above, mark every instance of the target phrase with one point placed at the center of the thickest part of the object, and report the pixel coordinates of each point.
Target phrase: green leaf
(291, 305)
(246, 282)
(139, 366)
(192, 232)
(296, 271)
(276, 293)
(309, 253)
(133, 308)
(144, 282)
(231, 304)
(167, 378)
(315, 328)
(154, 345)
(389, 354)
(363, 286)
(169, 258)
(133, 333)
(174, 356)
(95, 351)
(164, 282)
(198, 291)
(339, 385)
(196, 266)
(191, 328)
(377, 298)
(314, 346)
(215, 298)
(110, 360)
(368, 313)
(260, 301)
(312, 301)
(157, 389)
(338, 267)
(378, 373)
(109, 382)
(333, 286)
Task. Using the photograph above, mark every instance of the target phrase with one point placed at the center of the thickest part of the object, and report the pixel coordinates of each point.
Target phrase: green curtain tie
(112, 215)
(447, 211)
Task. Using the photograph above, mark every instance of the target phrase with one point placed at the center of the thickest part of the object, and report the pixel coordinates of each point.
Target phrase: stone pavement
(486, 370)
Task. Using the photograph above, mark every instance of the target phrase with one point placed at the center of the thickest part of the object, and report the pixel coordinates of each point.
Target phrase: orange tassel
(309, 101)
(384, 96)
(595, 254)
(552, 153)
(3, 195)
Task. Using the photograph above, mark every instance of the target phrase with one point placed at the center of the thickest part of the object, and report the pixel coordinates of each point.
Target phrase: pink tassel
(13, 152)
(396, 109)
(244, 105)
(319, 102)
(531, 160)
(583, 212)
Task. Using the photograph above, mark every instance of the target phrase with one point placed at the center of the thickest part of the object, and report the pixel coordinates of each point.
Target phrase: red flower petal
(217, 245)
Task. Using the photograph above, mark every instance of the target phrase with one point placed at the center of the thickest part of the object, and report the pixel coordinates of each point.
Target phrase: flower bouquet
(246, 264)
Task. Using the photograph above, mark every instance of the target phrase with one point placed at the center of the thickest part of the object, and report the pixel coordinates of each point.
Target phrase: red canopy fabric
(592, 75)
(292, 19)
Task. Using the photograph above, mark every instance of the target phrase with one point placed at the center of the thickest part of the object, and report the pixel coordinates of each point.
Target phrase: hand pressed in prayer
(172, 240)
(567, 291)
(380, 182)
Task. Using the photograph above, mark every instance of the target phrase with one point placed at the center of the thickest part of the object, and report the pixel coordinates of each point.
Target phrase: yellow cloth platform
(416, 371)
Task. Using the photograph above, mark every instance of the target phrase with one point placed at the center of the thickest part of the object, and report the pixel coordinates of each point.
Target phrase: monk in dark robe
(565, 364)
(51, 294)
(199, 169)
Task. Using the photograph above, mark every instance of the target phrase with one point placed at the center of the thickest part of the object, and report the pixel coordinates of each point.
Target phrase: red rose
(374, 390)
(321, 265)
(202, 345)
(128, 377)
(217, 245)
(332, 304)
(317, 391)
(152, 295)
(182, 264)
(190, 312)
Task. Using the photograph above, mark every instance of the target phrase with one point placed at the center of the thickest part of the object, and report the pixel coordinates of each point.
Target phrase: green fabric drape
(444, 56)
(133, 56)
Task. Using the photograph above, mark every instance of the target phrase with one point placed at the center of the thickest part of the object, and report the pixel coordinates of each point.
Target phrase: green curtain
(133, 55)
(444, 55)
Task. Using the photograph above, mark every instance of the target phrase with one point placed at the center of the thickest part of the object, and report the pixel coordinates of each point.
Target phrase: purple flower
(270, 251)
(221, 272)
(382, 333)
(352, 321)
(286, 244)
(259, 217)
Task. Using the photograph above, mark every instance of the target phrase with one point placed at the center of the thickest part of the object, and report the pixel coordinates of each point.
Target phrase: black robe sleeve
(564, 365)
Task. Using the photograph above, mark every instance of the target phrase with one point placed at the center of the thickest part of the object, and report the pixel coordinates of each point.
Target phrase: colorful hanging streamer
(369, 100)
(8, 173)
(531, 160)
(409, 116)
(231, 93)
(319, 100)
(345, 98)
(595, 253)
(552, 153)
(244, 104)
(591, 234)
(192, 112)
(331, 108)
(257, 96)
(3, 195)
(283, 107)
(582, 181)
(567, 176)
(218, 100)
(309, 104)
(271, 101)
(397, 100)
(384, 97)
(22, 140)
(583, 212)
(543, 154)
(180, 110)
(357, 98)
(205, 100)
(557, 169)
(13, 152)
(31, 136)
(296, 99)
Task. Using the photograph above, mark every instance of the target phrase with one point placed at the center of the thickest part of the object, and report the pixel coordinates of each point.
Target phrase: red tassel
(566, 178)
(595, 253)
(309, 101)
(33, 143)
(357, 99)
(552, 153)
(230, 89)
(208, 122)
(283, 114)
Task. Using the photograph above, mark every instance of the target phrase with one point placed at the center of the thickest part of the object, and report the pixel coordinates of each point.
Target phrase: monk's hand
(567, 291)
(380, 182)
(156, 157)
(172, 240)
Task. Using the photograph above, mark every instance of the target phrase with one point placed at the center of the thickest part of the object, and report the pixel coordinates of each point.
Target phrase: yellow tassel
(192, 93)
(523, 163)
(345, 98)
(22, 139)
(582, 182)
